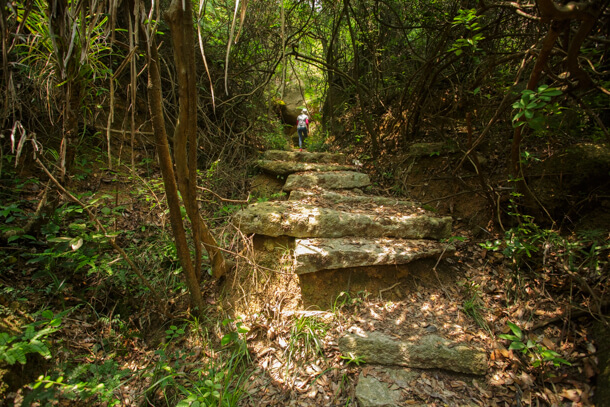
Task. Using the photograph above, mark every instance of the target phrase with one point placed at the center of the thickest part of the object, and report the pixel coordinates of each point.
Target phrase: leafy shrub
(15, 348)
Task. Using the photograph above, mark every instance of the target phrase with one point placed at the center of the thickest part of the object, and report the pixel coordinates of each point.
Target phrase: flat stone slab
(304, 156)
(316, 197)
(311, 255)
(372, 391)
(327, 180)
(292, 218)
(427, 352)
(290, 167)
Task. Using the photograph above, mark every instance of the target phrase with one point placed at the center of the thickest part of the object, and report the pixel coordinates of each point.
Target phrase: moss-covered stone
(427, 352)
(327, 180)
(290, 218)
(290, 167)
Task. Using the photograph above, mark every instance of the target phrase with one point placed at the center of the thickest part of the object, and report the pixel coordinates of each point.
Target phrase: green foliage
(473, 305)
(276, 196)
(352, 358)
(88, 51)
(13, 215)
(273, 134)
(217, 385)
(537, 354)
(236, 335)
(316, 141)
(532, 248)
(469, 20)
(345, 299)
(306, 338)
(72, 243)
(173, 333)
(86, 382)
(531, 106)
(214, 381)
(15, 348)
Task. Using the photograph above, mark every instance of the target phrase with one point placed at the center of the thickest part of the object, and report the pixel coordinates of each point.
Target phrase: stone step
(427, 352)
(290, 167)
(304, 156)
(382, 386)
(345, 197)
(313, 255)
(387, 387)
(293, 218)
(327, 180)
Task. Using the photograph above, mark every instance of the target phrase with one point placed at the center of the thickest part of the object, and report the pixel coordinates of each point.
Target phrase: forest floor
(256, 345)
(472, 306)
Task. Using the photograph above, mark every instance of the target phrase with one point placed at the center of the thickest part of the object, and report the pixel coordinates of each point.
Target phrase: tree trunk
(185, 135)
(362, 98)
(155, 103)
(61, 31)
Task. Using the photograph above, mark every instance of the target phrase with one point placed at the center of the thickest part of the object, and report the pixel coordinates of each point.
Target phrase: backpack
(302, 121)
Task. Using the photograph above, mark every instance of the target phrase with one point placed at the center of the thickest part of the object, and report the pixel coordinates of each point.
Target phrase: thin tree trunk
(155, 103)
(361, 96)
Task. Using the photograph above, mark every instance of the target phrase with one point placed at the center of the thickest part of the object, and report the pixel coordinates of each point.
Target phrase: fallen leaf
(571, 394)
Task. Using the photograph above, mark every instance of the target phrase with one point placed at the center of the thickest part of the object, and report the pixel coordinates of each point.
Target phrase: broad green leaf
(225, 340)
(508, 337)
(13, 238)
(516, 330)
(517, 345)
(5, 338)
(47, 314)
(18, 351)
(554, 92)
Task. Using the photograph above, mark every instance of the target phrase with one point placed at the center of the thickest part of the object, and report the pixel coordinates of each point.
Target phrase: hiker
(302, 127)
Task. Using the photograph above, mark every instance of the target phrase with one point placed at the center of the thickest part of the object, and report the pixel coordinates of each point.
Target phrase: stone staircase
(334, 224)
(347, 241)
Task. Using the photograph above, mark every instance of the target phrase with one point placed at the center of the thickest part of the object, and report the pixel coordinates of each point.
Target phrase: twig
(111, 238)
(440, 257)
(387, 289)
(449, 196)
(224, 199)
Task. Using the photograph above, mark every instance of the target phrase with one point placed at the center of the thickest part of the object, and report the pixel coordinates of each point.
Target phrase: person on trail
(302, 127)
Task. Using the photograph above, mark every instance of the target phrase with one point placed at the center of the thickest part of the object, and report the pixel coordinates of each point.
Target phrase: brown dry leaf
(282, 342)
(527, 398)
(366, 370)
(526, 379)
(312, 393)
(571, 394)
(552, 397)
(548, 343)
(589, 368)
(484, 392)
